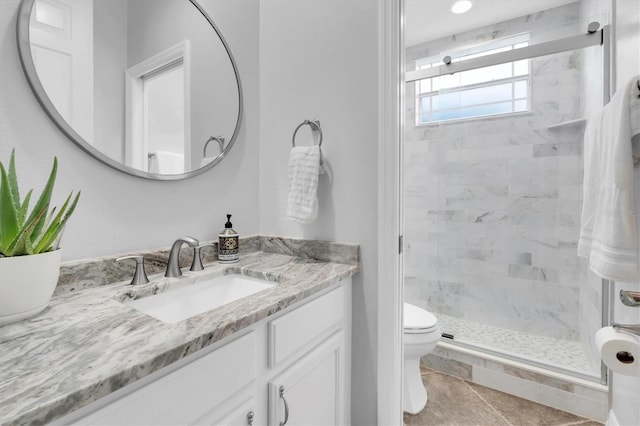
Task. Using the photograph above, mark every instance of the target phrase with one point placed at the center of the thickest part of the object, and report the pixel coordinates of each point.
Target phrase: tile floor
(453, 401)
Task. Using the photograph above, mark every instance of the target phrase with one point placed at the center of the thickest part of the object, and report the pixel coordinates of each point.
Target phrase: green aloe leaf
(9, 226)
(47, 223)
(22, 213)
(13, 181)
(44, 198)
(49, 238)
(56, 226)
(24, 233)
(45, 241)
(72, 208)
(21, 244)
(28, 245)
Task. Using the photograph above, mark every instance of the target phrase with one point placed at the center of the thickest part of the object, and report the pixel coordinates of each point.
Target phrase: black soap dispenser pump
(228, 243)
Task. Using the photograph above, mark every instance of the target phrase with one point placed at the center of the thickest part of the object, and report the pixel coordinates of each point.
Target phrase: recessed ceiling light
(461, 6)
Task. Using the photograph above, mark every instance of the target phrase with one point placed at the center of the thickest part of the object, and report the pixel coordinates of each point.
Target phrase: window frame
(495, 46)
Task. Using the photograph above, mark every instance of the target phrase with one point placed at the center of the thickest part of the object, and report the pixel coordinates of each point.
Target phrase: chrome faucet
(173, 264)
(196, 264)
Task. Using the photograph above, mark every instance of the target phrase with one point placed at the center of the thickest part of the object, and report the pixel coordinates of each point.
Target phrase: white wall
(119, 213)
(626, 389)
(318, 60)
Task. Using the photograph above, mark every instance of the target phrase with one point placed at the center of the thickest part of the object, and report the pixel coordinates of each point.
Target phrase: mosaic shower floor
(565, 354)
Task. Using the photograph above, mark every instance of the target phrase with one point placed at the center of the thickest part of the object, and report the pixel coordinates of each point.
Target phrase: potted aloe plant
(29, 253)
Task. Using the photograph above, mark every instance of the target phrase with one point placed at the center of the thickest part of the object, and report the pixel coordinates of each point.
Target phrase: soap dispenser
(228, 243)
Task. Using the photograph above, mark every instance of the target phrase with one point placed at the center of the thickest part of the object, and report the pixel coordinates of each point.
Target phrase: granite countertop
(86, 344)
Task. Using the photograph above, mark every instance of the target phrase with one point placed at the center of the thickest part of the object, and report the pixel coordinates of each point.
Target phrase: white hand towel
(608, 234)
(303, 170)
(166, 162)
(591, 182)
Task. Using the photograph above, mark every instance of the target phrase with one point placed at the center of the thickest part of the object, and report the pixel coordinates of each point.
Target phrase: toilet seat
(417, 320)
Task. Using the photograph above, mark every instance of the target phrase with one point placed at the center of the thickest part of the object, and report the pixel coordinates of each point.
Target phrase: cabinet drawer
(306, 324)
(186, 394)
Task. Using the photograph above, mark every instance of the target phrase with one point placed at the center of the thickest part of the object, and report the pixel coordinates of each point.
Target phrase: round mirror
(148, 87)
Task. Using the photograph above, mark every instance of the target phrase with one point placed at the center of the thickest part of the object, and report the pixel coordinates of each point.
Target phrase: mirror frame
(24, 51)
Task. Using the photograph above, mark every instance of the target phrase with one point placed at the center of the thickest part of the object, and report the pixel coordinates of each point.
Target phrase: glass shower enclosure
(493, 187)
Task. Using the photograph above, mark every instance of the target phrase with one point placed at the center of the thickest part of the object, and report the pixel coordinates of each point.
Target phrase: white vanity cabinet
(304, 350)
(308, 347)
(199, 392)
(242, 414)
(311, 391)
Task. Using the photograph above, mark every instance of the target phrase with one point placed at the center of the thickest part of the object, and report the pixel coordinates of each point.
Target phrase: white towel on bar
(303, 170)
(166, 162)
(608, 231)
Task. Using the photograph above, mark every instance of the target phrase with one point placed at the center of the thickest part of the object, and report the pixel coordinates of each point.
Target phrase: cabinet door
(312, 390)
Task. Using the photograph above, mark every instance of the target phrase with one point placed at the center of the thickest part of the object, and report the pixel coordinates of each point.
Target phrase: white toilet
(421, 334)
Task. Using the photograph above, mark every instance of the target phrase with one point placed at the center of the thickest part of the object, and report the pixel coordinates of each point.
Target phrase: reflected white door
(61, 35)
(158, 113)
(164, 129)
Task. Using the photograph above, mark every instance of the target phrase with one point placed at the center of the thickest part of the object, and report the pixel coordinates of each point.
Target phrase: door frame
(390, 134)
(135, 143)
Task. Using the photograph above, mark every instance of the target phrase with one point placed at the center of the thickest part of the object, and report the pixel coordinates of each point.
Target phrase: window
(493, 90)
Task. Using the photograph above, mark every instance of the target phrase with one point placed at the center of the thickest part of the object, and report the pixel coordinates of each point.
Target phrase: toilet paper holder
(630, 298)
(627, 328)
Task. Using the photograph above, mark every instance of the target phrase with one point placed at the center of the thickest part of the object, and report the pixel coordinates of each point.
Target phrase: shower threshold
(559, 355)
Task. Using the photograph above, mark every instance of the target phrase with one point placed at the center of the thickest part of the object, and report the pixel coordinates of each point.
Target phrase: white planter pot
(26, 284)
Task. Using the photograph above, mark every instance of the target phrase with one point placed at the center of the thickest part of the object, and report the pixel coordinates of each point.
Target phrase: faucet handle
(140, 275)
(196, 264)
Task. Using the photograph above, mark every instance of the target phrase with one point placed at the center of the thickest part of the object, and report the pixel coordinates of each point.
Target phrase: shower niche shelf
(579, 122)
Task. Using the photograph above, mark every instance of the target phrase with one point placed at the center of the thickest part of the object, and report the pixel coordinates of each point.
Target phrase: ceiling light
(461, 6)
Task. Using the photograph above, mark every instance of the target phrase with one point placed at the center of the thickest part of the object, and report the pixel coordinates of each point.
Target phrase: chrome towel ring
(314, 124)
(219, 139)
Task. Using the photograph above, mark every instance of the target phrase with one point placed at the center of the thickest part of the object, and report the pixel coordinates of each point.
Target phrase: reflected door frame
(136, 147)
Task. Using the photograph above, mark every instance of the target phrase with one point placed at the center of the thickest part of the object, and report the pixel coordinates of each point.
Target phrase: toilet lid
(416, 318)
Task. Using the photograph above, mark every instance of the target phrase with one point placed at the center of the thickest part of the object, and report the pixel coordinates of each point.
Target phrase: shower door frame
(595, 36)
(598, 37)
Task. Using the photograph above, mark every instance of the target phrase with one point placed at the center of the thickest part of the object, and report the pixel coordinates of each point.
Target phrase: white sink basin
(177, 304)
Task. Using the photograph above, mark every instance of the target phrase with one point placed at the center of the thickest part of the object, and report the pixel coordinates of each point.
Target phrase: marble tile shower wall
(492, 206)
